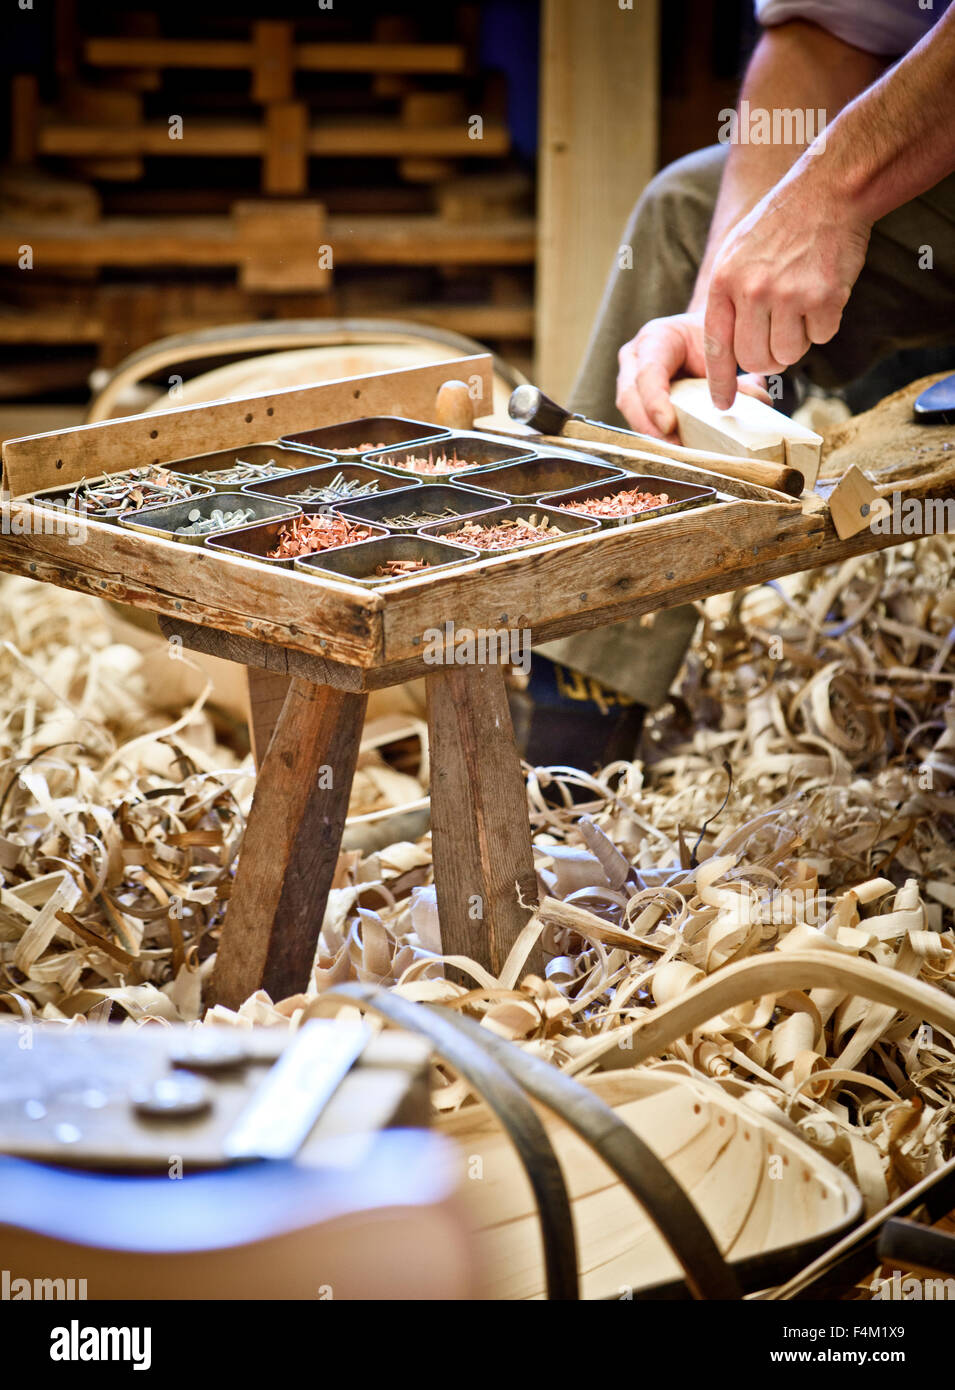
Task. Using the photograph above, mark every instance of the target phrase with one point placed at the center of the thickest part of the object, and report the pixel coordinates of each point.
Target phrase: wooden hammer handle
(773, 475)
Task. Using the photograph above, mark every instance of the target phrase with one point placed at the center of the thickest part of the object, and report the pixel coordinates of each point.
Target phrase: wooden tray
(364, 638)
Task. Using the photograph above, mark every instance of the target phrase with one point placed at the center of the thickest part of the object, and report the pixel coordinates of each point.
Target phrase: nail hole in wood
(154, 434)
(248, 419)
(270, 410)
(356, 394)
(59, 463)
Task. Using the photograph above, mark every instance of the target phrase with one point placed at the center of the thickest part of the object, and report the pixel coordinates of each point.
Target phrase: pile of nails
(394, 569)
(339, 488)
(504, 534)
(217, 520)
(240, 472)
(617, 503)
(419, 518)
(417, 463)
(306, 534)
(128, 491)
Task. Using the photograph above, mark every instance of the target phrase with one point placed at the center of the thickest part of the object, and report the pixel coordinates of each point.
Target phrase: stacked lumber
(181, 172)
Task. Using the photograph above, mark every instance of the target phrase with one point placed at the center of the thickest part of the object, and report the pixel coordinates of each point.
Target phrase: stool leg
(291, 845)
(481, 840)
(266, 692)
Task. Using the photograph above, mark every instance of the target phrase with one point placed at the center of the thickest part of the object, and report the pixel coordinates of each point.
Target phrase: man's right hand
(663, 350)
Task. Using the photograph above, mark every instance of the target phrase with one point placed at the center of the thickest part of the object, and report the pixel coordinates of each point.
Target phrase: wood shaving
(822, 704)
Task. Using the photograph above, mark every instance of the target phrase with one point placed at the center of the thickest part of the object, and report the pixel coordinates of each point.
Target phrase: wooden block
(290, 848)
(280, 246)
(854, 504)
(285, 164)
(751, 428)
(273, 61)
(483, 865)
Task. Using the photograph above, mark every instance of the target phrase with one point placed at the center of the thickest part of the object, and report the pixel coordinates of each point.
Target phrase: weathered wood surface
(341, 622)
(290, 847)
(266, 692)
(552, 592)
(480, 835)
(65, 456)
(287, 662)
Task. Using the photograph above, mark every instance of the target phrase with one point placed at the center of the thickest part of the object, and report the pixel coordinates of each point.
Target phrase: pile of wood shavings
(824, 705)
(119, 828)
(819, 711)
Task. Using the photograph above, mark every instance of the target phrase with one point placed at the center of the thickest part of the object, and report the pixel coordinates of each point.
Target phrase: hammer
(531, 407)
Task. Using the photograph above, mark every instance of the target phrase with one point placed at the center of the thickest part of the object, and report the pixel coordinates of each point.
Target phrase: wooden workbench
(324, 645)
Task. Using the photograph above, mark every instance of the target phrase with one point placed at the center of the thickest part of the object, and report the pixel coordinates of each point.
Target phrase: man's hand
(782, 278)
(662, 350)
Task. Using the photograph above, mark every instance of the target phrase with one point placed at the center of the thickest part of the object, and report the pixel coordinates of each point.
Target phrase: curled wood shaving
(829, 697)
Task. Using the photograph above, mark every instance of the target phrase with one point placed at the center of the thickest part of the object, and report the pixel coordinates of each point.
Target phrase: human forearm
(897, 139)
(795, 66)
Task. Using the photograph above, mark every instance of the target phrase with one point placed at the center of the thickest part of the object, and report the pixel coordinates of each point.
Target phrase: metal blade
(281, 1113)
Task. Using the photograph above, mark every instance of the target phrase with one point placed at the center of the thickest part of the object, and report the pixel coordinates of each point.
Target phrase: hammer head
(531, 407)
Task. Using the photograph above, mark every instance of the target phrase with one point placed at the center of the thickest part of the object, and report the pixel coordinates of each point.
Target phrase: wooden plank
(750, 428)
(290, 847)
(362, 240)
(201, 136)
(308, 57)
(126, 52)
(285, 166)
(284, 661)
(272, 60)
(265, 697)
(85, 323)
(45, 460)
(480, 834)
(343, 625)
(598, 148)
(378, 139)
(386, 139)
(280, 245)
(592, 580)
(381, 58)
(336, 621)
(216, 240)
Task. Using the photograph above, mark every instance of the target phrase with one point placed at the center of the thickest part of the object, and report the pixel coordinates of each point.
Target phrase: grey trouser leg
(667, 231)
(895, 303)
